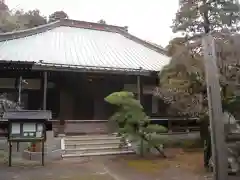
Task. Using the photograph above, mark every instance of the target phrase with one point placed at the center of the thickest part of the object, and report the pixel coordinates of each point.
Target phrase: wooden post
(139, 96)
(20, 91)
(43, 154)
(219, 148)
(169, 125)
(10, 154)
(44, 108)
(139, 88)
(45, 90)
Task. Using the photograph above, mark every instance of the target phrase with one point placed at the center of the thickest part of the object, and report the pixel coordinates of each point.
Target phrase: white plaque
(16, 128)
(39, 134)
(40, 127)
(29, 127)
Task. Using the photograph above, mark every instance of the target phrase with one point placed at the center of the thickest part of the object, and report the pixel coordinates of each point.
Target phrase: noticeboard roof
(28, 114)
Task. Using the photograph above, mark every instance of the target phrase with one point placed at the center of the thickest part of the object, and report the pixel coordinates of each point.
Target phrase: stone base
(37, 156)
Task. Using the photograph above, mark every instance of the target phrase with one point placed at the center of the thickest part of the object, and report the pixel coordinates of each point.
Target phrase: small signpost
(26, 126)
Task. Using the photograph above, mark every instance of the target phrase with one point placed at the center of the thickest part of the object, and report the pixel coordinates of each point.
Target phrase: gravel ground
(59, 170)
(109, 168)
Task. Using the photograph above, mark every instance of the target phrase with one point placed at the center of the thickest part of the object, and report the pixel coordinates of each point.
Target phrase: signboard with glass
(26, 126)
(26, 130)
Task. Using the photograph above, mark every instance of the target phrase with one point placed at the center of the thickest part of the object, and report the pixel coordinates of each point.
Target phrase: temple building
(70, 66)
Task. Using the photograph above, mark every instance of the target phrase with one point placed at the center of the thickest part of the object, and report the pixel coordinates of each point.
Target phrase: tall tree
(3, 6)
(183, 80)
(18, 20)
(202, 16)
(33, 18)
(4, 17)
(58, 15)
(193, 19)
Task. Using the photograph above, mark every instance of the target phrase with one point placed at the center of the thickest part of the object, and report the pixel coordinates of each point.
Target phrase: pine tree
(195, 17)
(133, 122)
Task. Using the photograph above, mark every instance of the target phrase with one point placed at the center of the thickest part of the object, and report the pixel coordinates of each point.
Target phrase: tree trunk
(206, 18)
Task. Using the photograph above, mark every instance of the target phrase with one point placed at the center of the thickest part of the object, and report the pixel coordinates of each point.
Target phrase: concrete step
(90, 141)
(87, 138)
(95, 144)
(92, 136)
(119, 152)
(92, 149)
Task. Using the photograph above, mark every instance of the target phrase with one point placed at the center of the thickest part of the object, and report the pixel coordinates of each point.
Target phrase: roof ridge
(63, 22)
(80, 24)
(30, 29)
(28, 32)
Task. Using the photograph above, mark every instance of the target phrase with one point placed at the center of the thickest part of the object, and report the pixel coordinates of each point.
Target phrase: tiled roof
(81, 44)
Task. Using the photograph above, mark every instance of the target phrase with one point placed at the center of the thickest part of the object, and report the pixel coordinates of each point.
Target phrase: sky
(147, 19)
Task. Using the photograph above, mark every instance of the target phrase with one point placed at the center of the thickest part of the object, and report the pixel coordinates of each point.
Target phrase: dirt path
(60, 170)
(106, 168)
(79, 169)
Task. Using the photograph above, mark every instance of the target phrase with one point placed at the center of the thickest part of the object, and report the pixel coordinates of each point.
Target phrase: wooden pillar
(139, 96)
(45, 90)
(169, 125)
(139, 89)
(218, 144)
(20, 90)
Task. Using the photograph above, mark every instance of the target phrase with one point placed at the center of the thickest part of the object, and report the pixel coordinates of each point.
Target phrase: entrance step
(120, 152)
(92, 145)
(77, 145)
(101, 136)
(87, 138)
(91, 140)
(92, 149)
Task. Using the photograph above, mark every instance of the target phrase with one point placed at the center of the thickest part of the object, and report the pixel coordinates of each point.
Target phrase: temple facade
(69, 67)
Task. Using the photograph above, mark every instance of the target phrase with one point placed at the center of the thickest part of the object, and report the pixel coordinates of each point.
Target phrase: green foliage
(182, 82)
(184, 143)
(231, 104)
(155, 128)
(19, 19)
(133, 122)
(102, 21)
(58, 15)
(201, 16)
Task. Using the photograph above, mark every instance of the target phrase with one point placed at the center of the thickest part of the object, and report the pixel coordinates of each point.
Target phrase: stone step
(92, 149)
(95, 144)
(90, 141)
(93, 136)
(87, 138)
(119, 152)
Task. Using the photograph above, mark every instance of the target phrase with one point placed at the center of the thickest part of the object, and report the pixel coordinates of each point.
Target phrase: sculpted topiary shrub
(133, 122)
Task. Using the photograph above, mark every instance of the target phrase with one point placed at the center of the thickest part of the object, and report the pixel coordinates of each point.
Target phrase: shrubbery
(134, 124)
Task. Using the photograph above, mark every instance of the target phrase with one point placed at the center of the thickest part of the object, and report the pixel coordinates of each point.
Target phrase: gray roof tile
(82, 47)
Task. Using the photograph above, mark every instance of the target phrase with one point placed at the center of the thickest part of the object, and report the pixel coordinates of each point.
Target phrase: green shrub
(133, 122)
(184, 143)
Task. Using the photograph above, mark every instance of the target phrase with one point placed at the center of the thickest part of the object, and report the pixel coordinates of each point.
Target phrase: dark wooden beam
(139, 88)
(45, 90)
